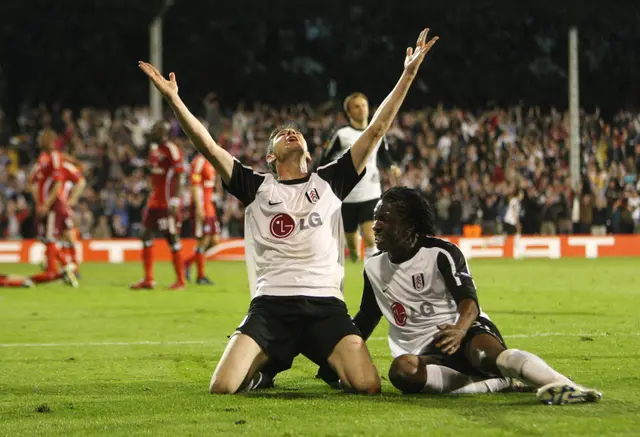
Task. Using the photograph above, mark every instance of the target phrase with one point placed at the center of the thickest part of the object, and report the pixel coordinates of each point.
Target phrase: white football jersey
(419, 294)
(369, 187)
(293, 229)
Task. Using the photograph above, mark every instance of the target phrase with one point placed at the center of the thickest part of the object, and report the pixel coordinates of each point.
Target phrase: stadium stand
(470, 164)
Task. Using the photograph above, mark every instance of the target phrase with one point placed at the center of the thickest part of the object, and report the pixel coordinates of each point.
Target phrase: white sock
(442, 379)
(368, 252)
(528, 368)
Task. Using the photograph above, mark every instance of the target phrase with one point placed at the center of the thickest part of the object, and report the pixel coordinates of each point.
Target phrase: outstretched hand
(415, 56)
(168, 88)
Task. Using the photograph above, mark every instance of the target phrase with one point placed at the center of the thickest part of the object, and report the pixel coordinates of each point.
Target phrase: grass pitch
(102, 360)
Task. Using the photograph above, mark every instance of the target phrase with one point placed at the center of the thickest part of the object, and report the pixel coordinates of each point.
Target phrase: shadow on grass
(524, 400)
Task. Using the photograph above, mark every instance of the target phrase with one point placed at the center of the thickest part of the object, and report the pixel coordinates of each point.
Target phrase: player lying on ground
(162, 213)
(293, 236)
(357, 208)
(440, 339)
(205, 219)
(17, 281)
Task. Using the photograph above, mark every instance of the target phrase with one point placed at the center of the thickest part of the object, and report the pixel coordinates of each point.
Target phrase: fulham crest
(418, 281)
(312, 195)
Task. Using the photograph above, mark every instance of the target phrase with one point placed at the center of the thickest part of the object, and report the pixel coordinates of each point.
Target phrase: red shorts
(208, 226)
(159, 220)
(58, 219)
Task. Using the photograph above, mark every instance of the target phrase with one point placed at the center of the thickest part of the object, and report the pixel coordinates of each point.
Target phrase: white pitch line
(186, 342)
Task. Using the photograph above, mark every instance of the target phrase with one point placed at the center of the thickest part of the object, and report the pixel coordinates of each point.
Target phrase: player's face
(288, 142)
(359, 109)
(386, 227)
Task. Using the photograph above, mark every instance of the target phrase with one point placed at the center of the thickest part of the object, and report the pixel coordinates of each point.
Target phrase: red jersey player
(162, 212)
(206, 225)
(74, 183)
(72, 174)
(53, 214)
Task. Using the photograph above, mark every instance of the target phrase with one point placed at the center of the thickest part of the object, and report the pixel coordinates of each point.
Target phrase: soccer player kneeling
(441, 340)
(293, 241)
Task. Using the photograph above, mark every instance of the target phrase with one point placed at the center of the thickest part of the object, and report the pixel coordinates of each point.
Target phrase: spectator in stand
(102, 228)
(586, 214)
(118, 228)
(599, 223)
(135, 205)
(11, 218)
(489, 208)
(549, 214)
(85, 221)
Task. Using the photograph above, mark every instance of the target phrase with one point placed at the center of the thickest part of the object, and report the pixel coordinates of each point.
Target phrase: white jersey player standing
(357, 207)
(440, 339)
(293, 245)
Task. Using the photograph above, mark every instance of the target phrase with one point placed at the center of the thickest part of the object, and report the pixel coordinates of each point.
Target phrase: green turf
(83, 386)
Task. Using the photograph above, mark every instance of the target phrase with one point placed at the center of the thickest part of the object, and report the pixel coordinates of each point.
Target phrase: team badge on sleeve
(312, 195)
(418, 281)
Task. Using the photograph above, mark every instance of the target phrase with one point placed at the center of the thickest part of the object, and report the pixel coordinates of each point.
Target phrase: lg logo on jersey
(401, 313)
(282, 225)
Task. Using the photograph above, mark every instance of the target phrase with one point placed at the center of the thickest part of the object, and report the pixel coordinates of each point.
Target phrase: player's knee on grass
(405, 374)
(241, 359)
(353, 363)
(221, 387)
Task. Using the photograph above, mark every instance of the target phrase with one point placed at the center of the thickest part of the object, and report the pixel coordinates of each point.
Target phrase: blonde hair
(349, 98)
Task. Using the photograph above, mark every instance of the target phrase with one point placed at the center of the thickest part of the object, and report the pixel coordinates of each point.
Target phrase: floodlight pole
(155, 57)
(574, 109)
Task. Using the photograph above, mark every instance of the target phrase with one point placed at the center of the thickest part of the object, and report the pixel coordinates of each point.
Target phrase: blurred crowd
(471, 164)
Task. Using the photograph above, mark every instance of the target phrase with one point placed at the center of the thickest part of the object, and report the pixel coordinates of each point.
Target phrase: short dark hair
(272, 137)
(413, 209)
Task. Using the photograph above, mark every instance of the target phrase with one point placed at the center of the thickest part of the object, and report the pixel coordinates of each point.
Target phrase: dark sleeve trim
(453, 268)
(244, 183)
(341, 175)
(369, 314)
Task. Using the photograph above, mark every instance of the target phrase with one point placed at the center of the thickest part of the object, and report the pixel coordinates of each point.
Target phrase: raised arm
(197, 133)
(388, 109)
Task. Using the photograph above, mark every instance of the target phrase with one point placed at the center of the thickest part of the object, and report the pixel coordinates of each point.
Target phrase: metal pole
(574, 109)
(155, 57)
